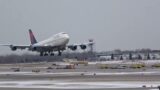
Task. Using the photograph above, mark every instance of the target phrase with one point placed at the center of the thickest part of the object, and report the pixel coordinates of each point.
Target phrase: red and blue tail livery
(32, 38)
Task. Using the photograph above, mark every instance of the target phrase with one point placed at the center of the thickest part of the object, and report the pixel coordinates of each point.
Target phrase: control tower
(91, 45)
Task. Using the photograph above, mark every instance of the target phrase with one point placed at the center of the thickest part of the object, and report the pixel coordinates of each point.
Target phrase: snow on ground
(75, 85)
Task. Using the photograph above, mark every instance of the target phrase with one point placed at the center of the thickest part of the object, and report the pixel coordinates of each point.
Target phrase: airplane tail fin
(32, 38)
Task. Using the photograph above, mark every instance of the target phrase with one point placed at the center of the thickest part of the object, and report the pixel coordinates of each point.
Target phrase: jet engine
(83, 47)
(33, 48)
(13, 48)
(73, 48)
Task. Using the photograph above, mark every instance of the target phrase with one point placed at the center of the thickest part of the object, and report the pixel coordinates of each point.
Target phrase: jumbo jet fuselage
(56, 42)
(60, 39)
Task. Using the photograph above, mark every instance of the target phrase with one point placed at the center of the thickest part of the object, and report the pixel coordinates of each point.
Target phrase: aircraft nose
(67, 36)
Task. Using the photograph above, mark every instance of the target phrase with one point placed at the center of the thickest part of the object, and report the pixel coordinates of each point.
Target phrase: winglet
(32, 38)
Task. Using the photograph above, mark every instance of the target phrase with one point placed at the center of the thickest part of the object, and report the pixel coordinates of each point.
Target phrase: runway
(76, 81)
(52, 84)
(81, 78)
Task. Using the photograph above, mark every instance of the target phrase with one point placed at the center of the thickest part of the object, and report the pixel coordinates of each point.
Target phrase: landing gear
(46, 54)
(59, 53)
(41, 53)
(51, 54)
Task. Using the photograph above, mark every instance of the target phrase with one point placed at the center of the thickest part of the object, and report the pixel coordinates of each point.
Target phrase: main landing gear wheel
(59, 53)
(46, 54)
(51, 54)
(41, 53)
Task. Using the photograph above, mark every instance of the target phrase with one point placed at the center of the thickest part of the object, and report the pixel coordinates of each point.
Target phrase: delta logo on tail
(32, 38)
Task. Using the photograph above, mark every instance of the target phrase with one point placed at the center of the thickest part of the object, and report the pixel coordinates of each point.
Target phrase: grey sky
(124, 24)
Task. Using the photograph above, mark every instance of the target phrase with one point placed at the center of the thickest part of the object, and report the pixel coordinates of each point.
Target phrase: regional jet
(55, 43)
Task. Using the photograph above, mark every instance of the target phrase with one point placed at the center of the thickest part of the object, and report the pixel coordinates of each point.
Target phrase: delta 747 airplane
(57, 42)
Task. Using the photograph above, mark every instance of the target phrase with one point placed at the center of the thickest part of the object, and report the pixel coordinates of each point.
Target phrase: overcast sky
(113, 24)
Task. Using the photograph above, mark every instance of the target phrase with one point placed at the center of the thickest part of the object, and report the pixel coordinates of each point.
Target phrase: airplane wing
(83, 46)
(15, 47)
(37, 48)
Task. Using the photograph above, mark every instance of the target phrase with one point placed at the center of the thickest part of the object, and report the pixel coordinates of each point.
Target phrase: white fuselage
(60, 39)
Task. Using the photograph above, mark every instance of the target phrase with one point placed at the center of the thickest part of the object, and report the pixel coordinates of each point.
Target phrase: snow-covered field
(75, 85)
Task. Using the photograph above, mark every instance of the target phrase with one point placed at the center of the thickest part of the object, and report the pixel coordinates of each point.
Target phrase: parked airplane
(57, 42)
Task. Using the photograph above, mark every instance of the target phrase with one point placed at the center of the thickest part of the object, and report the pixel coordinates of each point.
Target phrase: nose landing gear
(49, 53)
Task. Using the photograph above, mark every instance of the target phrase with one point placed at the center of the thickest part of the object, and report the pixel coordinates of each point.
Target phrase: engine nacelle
(34, 48)
(73, 48)
(13, 48)
(83, 47)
